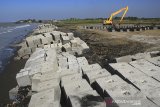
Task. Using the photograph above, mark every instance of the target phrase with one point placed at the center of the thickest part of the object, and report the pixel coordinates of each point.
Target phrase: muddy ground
(110, 45)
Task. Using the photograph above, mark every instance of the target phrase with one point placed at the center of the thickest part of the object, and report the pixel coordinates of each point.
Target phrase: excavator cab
(107, 22)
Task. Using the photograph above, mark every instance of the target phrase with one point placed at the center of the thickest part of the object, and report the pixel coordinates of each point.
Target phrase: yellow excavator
(110, 20)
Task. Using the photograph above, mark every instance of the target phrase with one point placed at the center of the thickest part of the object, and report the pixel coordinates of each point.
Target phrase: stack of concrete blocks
(72, 84)
(147, 68)
(67, 72)
(146, 55)
(45, 28)
(93, 71)
(127, 28)
(117, 92)
(75, 89)
(37, 64)
(43, 78)
(139, 78)
(59, 40)
(37, 41)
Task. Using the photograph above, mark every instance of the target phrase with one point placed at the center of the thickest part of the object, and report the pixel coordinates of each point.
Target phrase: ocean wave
(22, 26)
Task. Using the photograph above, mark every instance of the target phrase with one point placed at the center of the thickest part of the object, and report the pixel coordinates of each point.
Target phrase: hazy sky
(12, 10)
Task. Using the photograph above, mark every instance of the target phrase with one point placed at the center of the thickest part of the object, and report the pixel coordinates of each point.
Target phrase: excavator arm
(109, 21)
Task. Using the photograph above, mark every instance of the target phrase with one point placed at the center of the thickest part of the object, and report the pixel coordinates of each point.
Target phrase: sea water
(11, 34)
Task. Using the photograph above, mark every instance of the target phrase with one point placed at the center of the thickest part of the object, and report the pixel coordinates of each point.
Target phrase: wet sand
(8, 78)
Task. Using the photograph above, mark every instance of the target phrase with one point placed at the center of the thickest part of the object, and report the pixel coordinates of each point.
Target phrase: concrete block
(70, 35)
(89, 99)
(93, 75)
(65, 39)
(49, 66)
(23, 79)
(71, 59)
(59, 45)
(42, 99)
(79, 41)
(33, 49)
(56, 35)
(155, 61)
(121, 30)
(145, 83)
(35, 81)
(124, 59)
(13, 93)
(73, 64)
(77, 87)
(65, 72)
(78, 50)
(113, 30)
(74, 67)
(21, 52)
(41, 46)
(49, 76)
(29, 41)
(54, 45)
(85, 47)
(74, 43)
(54, 104)
(155, 28)
(155, 53)
(141, 56)
(67, 54)
(23, 44)
(51, 84)
(128, 30)
(82, 61)
(25, 57)
(147, 103)
(49, 37)
(62, 62)
(45, 85)
(88, 68)
(27, 51)
(154, 95)
(34, 71)
(126, 70)
(37, 41)
(45, 66)
(47, 46)
(101, 83)
(66, 47)
(118, 89)
(44, 40)
(70, 78)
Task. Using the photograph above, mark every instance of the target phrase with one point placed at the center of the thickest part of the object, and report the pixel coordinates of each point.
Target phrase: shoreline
(8, 75)
(8, 78)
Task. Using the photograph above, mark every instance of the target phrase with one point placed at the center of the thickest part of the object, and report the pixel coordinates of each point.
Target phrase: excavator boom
(109, 21)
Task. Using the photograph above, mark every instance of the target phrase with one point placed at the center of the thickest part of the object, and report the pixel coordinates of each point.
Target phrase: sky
(13, 10)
